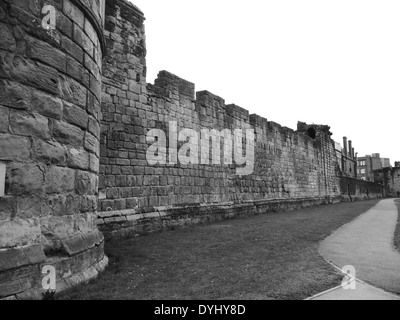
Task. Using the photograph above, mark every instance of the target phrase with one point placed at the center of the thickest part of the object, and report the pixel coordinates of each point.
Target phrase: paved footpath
(367, 244)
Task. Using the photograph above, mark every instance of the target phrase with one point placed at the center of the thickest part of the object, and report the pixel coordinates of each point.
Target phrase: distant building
(386, 163)
(370, 163)
(390, 178)
(347, 159)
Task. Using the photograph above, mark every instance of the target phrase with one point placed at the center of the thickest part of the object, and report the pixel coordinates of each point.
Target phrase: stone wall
(390, 179)
(292, 168)
(50, 92)
(354, 189)
(75, 142)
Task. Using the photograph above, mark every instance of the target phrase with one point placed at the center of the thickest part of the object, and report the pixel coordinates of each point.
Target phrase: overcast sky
(317, 61)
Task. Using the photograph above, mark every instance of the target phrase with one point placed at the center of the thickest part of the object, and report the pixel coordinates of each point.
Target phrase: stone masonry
(75, 117)
(292, 168)
(50, 93)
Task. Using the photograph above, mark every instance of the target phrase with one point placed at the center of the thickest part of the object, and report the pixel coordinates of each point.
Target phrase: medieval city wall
(75, 117)
(292, 169)
(50, 91)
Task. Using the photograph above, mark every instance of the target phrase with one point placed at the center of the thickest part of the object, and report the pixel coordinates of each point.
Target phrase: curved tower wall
(50, 95)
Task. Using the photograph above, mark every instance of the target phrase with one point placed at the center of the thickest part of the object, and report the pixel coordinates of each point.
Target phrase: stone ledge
(18, 257)
(127, 223)
(84, 276)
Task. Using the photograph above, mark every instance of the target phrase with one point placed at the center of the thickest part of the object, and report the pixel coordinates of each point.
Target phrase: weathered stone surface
(75, 115)
(72, 91)
(44, 52)
(25, 178)
(86, 183)
(47, 105)
(68, 134)
(72, 49)
(4, 116)
(5, 64)
(81, 243)
(94, 127)
(33, 206)
(50, 152)
(35, 74)
(92, 144)
(14, 147)
(8, 208)
(29, 124)
(7, 39)
(15, 95)
(44, 115)
(18, 257)
(78, 158)
(59, 180)
(19, 232)
(78, 72)
(71, 11)
(94, 163)
(16, 281)
(83, 40)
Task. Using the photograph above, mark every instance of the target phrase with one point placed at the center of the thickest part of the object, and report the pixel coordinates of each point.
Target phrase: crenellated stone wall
(292, 169)
(81, 152)
(50, 94)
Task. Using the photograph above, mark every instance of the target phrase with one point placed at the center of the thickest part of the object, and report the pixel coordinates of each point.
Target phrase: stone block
(29, 124)
(19, 257)
(47, 105)
(44, 52)
(19, 232)
(94, 127)
(81, 243)
(86, 183)
(92, 144)
(7, 38)
(76, 70)
(16, 281)
(83, 40)
(25, 178)
(15, 95)
(75, 115)
(59, 179)
(50, 152)
(14, 147)
(72, 12)
(72, 91)
(78, 158)
(72, 48)
(4, 117)
(35, 74)
(68, 134)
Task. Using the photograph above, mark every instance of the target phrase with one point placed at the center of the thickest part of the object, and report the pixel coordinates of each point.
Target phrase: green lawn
(272, 256)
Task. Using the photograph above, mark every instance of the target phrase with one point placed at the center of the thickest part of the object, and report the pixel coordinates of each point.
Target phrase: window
(362, 163)
(362, 171)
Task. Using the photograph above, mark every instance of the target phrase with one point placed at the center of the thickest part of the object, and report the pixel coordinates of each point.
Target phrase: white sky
(333, 62)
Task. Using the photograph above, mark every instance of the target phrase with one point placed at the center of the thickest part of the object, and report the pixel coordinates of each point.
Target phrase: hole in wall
(311, 133)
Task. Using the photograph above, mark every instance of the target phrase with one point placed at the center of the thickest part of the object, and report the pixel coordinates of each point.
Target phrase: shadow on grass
(272, 256)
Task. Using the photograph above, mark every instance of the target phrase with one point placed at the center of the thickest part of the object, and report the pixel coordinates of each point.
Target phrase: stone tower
(50, 90)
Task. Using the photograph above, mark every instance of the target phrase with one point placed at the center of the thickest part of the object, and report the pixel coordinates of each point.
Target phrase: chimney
(345, 146)
(353, 153)
(350, 149)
